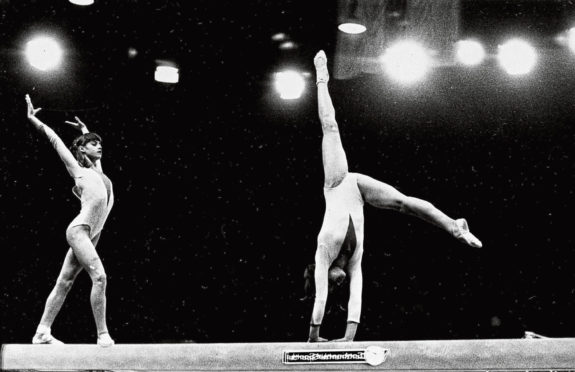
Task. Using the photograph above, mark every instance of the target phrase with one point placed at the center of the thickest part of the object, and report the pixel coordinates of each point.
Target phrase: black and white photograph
(277, 185)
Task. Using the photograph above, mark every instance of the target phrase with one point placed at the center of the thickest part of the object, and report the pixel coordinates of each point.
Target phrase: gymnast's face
(92, 149)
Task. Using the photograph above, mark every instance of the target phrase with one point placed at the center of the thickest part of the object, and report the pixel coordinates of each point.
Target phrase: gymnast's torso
(94, 189)
(343, 206)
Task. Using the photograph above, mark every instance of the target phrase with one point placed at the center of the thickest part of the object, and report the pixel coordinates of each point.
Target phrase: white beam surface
(549, 354)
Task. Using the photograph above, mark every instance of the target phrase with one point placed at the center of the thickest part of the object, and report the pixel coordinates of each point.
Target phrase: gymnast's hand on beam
(318, 339)
(78, 124)
(31, 110)
(350, 332)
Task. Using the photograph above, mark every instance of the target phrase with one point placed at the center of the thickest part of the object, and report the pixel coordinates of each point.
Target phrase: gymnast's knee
(411, 205)
(401, 205)
(64, 283)
(99, 279)
(97, 272)
(329, 124)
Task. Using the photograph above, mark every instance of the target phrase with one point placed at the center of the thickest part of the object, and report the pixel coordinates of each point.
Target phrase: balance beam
(443, 355)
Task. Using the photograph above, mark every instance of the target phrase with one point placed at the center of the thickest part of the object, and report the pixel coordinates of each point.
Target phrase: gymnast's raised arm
(69, 160)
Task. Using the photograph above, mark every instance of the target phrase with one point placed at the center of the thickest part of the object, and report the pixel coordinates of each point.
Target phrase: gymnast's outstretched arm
(78, 124)
(69, 160)
(382, 195)
(322, 264)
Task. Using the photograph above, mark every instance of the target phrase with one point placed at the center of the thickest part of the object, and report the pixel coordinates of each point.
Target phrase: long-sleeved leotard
(341, 203)
(94, 189)
(344, 206)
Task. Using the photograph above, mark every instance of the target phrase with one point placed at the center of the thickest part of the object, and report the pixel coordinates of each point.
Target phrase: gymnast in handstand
(340, 240)
(94, 190)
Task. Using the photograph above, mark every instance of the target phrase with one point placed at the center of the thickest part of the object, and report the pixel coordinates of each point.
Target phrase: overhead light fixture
(82, 2)
(352, 28)
(348, 19)
(406, 61)
(469, 52)
(44, 53)
(132, 52)
(571, 39)
(167, 74)
(517, 57)
(280, 36)
(289, 84)
(286, 45)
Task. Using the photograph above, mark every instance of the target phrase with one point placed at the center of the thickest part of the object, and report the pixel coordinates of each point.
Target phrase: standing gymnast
(94, 190)
(340, 240)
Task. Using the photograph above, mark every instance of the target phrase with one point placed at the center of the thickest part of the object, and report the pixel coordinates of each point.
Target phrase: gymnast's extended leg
(382, 195)
(68, 274)
(334, 159)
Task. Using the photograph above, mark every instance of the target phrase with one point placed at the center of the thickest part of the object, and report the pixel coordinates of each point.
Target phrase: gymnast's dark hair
(309, 283)
(82, 141)
(338, 300)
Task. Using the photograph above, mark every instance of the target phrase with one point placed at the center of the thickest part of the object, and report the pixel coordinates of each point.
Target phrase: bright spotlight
(469, 52)
(289, 84)
(517, 57)
(406, 61)
(43, 53)
(286, 45)
(571, 39)
(280, 36)
(167, 74)
(132, 52)
(82, 2)
(352, 28)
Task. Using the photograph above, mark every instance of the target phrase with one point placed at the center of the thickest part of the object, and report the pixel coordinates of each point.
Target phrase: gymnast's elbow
(328, 122)
(320, 301)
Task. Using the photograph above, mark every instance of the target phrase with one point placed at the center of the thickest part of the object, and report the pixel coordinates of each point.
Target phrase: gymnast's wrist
(351, 329)
(314, 331)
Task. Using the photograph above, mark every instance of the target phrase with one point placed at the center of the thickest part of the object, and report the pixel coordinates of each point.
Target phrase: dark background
(218, 182)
